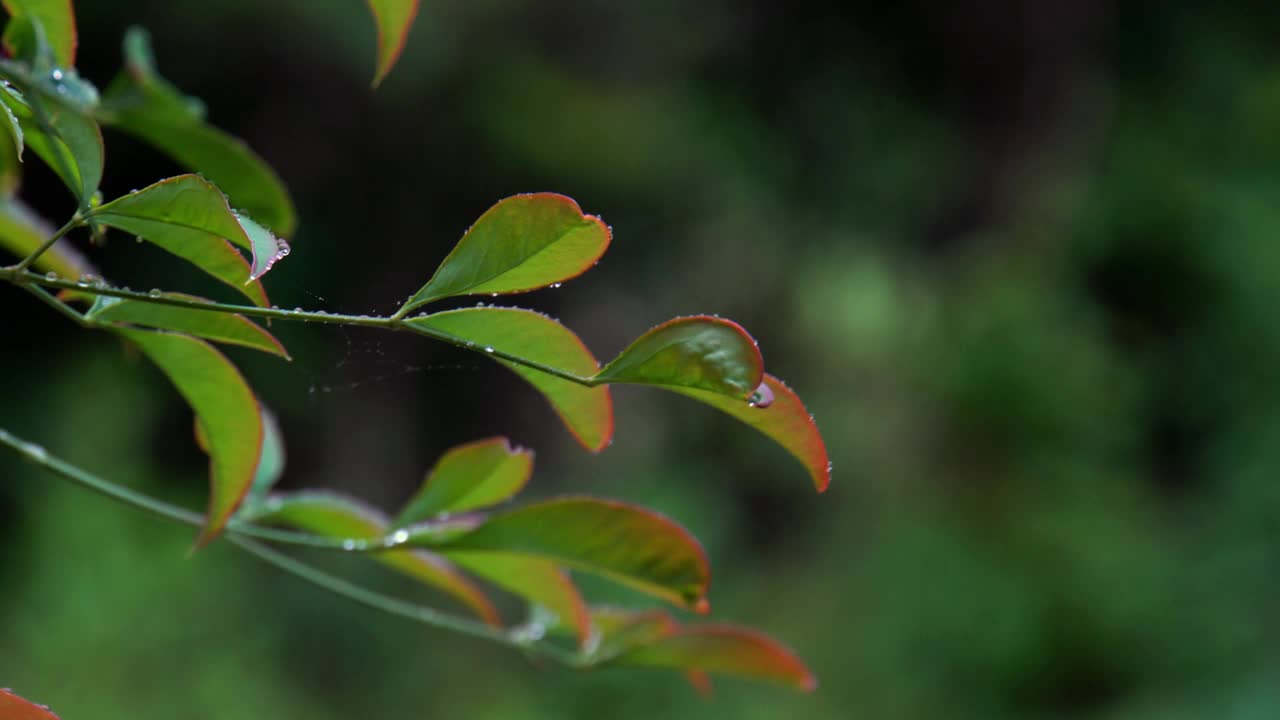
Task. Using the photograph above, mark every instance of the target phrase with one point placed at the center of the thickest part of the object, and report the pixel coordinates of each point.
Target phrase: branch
(238, 534)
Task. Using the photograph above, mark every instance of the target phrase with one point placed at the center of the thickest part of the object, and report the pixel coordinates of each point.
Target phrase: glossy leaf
(189, 217)
(630, 545)
(66, 138)
(586, 411)
(224, 406)
(334, 516)
(724, 649)
(22, 231)
(13, 707)
(216, 326)
(56, 18)
(267, 249)
(393, 18)
(467, 477)
(271, 462)
(701, 352)
(535, 579)
(142, 103)
(522, 243)
(784, 420)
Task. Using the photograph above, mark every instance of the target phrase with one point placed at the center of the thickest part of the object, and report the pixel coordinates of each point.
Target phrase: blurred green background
(1019, 258)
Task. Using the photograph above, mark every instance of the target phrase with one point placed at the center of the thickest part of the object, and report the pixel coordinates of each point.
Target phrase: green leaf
(723, 649)
(699, 352)
(142, 103)
(586, 411)
(522, 243)
(22, 231)
(335, 516)
(13, 707)
(781, 416)
(13, 127)
(57, 19)
(535, 579)
(224, 406)
(393, 18)
(636, 547)
(54, 115)
(271, 462)
(219, 327)
(267, 249)
(467, 477)
(190, 218)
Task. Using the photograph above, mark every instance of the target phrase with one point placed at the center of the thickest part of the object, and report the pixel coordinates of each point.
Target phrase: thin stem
(72, 224)
(364, 596)
(390, 323)
(57, 304)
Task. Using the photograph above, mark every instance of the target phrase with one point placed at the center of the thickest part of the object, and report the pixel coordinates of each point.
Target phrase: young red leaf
(700, 352)
(630, 545)
(783, 418)
(467, 477)
(142, 103)
(393, 18)
(216, 326)
(57, 20)
(335, 516)
(535, 579)
(13, 707)
(587, 411)
(22, 231)
(724, 649)
(190, 218)
(225, 408)
(522, 243)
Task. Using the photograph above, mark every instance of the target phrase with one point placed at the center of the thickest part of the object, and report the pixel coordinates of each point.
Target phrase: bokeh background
(1021, 259)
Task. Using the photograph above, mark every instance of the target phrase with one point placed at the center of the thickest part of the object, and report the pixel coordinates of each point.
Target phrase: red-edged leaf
(335, 516)
(216, 326)
(587, 411)
(393, 18)
(225, 407)
(724, 649)
(699, 352)
(57, 19)
(630, 545)
(784, 419)
(475, 475)
(13, 707)
(522, 243)
(535, 579)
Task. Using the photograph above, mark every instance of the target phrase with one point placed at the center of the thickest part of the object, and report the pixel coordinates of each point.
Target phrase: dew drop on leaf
(762, 397)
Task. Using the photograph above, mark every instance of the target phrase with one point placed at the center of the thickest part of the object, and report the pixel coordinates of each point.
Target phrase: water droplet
(470, 344)
(57, 75)
(555, 285)
(86, 280)
(297, 309)
(154, 292)
(400, 537)
(488, 349)
(51, 275)
(348, 544)
(762, 397)
(493, 294)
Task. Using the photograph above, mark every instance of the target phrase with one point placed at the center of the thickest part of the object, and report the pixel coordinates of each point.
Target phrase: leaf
(66, 138)
(522, 243)
(219, 327)
(267, 249)
(630, 545)
(13, 707)
(57, 18)
(335, 516)
(190, 218)
(784, 420)
(535, 579)
(12, 126)
(224, 406)
(699, 352)
(22, 231)
(393, 18)
(142, 103)
(586, 411)
(467, 477)
(724, 649)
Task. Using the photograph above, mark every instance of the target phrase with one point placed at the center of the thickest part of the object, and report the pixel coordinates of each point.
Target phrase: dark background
(1020, 259)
